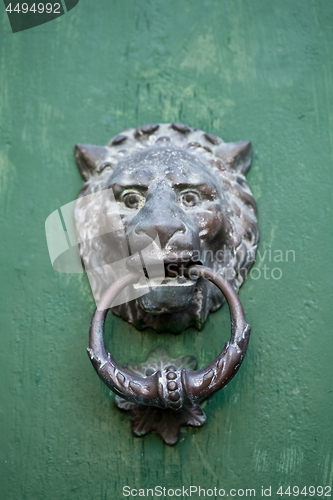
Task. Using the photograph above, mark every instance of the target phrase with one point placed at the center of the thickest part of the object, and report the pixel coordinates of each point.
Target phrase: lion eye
(189, 199)
(133, 200)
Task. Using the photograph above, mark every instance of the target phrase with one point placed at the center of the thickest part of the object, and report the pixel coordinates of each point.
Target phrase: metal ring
(170, 388)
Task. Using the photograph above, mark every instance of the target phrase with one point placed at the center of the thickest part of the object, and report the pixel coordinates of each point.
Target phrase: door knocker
(167, 230)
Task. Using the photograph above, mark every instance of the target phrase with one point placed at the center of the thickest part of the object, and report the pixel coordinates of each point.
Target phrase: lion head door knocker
(168, 230)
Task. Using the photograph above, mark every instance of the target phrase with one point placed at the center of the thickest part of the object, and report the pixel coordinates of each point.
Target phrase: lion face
(168, 193)
(190, 200)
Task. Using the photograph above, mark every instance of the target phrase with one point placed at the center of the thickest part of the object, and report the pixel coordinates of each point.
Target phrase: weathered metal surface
(188, 189)
(169, 386)
(166, 422)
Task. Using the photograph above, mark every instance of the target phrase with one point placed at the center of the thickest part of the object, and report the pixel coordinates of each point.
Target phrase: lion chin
(159, 312)
(178, 189)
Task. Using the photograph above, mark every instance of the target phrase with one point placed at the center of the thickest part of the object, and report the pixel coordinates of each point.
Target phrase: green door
(242, 69)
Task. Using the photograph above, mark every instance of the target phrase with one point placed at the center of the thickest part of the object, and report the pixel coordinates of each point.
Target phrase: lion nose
(165, 230)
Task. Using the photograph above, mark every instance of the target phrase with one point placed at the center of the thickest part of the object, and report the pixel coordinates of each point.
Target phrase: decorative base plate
(165, 422)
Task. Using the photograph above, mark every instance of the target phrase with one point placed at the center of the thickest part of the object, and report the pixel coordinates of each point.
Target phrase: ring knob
(171, 387)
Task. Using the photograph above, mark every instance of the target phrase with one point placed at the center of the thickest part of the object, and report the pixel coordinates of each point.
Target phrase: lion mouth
(179, 270)
(170, 293)
(173, 271)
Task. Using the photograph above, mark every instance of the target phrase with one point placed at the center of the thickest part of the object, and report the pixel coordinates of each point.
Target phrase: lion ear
(91, 159)
(236, 155)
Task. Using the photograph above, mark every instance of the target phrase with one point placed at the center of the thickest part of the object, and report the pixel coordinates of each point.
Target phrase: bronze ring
(170, 388)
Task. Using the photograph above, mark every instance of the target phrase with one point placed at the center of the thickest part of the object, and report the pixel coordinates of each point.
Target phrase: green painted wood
(242, 69)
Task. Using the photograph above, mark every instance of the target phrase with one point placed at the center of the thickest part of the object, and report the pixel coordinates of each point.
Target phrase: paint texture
(242, 69)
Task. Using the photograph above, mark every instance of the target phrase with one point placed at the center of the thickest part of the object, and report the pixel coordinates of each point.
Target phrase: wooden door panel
(252, 70)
